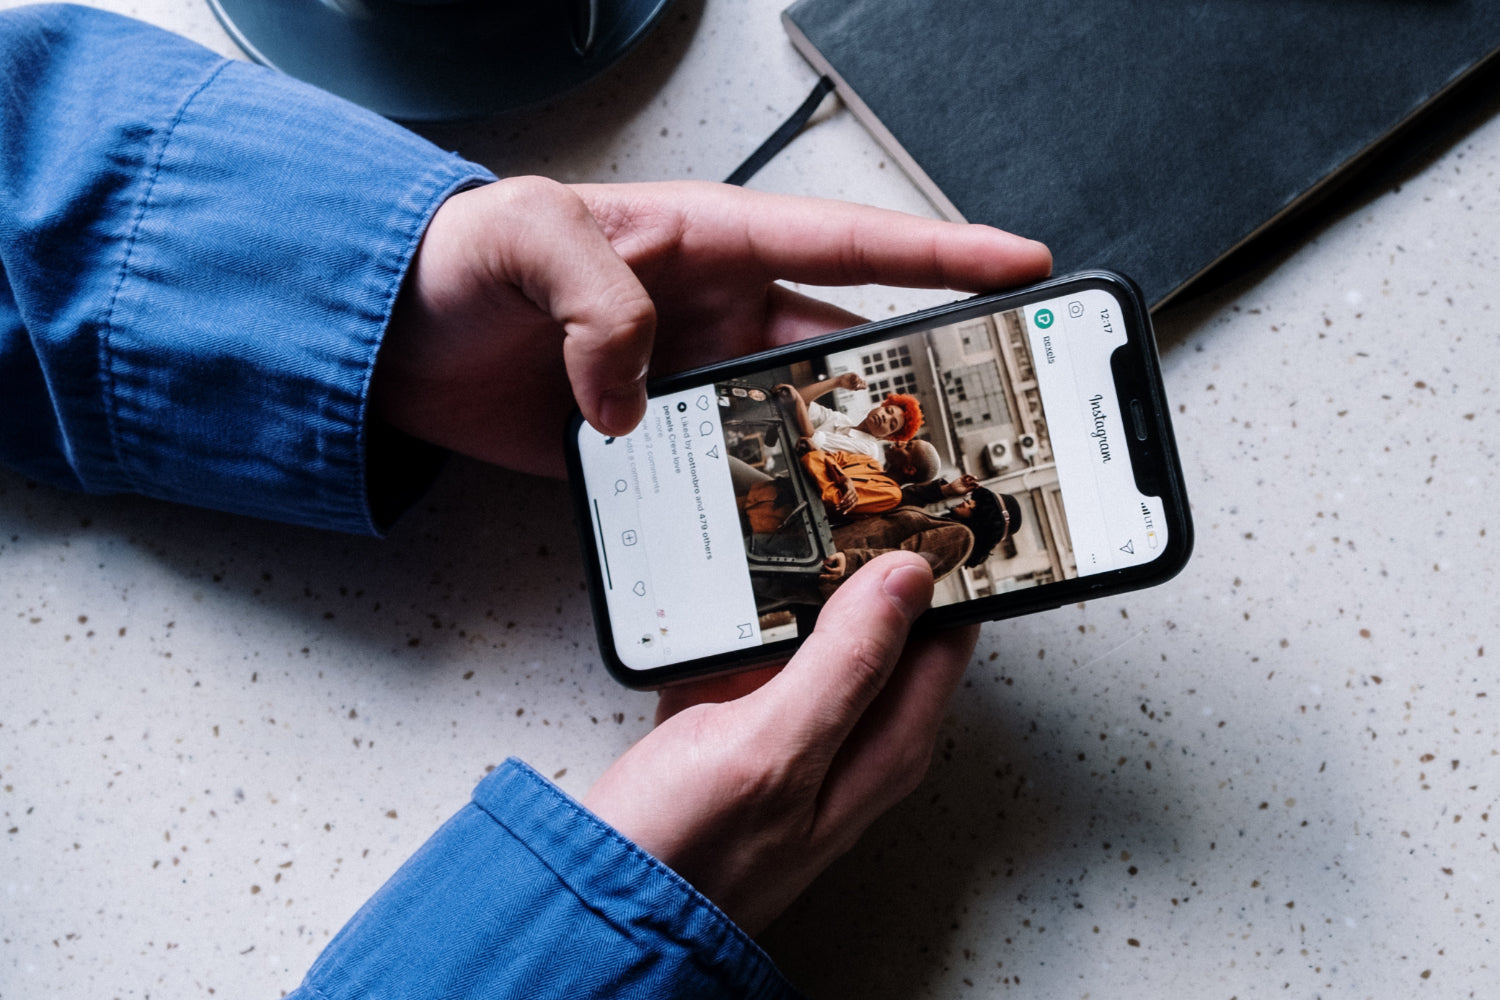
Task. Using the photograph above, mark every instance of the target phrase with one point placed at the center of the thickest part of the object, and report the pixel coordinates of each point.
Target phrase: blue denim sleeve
(199, 260)
(525, 893)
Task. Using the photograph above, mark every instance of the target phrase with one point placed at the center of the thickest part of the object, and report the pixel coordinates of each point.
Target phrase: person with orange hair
(897, 418)
(911, 415)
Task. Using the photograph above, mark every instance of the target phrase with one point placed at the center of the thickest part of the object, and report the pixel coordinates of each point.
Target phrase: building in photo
(977, 385)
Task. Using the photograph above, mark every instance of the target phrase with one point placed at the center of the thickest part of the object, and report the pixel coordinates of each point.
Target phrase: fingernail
(1043, 248)
(910, 587)
(621, 408)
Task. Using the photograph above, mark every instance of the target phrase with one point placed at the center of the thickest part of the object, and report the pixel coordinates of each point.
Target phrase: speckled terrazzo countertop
(1276, 776)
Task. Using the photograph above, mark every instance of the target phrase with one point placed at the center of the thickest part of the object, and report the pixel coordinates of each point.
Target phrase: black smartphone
(1019, 442)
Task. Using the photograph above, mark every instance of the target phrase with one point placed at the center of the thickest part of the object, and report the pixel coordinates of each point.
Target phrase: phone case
(792, 508)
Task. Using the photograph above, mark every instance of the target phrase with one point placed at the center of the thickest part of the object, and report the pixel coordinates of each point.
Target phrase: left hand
(526, 294)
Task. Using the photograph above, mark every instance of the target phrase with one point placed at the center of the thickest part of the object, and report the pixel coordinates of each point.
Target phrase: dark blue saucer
(439, 61)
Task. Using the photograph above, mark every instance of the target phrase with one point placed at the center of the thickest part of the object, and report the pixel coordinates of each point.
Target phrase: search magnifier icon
(621, 486)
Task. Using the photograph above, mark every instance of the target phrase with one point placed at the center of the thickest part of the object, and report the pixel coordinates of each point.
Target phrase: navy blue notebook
(1150, 137)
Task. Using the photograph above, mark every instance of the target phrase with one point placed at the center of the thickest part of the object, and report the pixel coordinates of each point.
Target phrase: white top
(834, 431)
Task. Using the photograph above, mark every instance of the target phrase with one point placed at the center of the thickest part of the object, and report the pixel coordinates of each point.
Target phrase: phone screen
(734, 510)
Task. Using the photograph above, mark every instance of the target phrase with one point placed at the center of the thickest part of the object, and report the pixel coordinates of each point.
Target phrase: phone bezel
(1158, 455)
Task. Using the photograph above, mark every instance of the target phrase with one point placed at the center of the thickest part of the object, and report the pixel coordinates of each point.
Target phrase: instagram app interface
(713, 533)
(668, 534)
(1112, 524)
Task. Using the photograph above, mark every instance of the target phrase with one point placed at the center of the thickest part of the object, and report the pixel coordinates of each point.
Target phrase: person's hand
(847, 498)
(849, 380)
(524, 286)
(834, 568)
(960, 487)
(752, 784)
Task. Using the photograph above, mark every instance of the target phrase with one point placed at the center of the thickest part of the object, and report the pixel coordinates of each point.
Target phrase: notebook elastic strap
(785, 134)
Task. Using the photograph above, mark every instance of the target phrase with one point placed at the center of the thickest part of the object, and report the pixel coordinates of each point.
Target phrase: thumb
(823, 691)
(562, 261)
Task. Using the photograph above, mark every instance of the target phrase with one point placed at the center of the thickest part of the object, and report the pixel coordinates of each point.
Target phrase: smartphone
(1019, 442)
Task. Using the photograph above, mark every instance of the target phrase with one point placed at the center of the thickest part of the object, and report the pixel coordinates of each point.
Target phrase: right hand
(849, 380)
(845, 496)
(961, 487)
(752, 784)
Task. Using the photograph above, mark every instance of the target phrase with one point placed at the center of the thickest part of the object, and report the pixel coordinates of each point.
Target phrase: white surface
(1275, 776)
